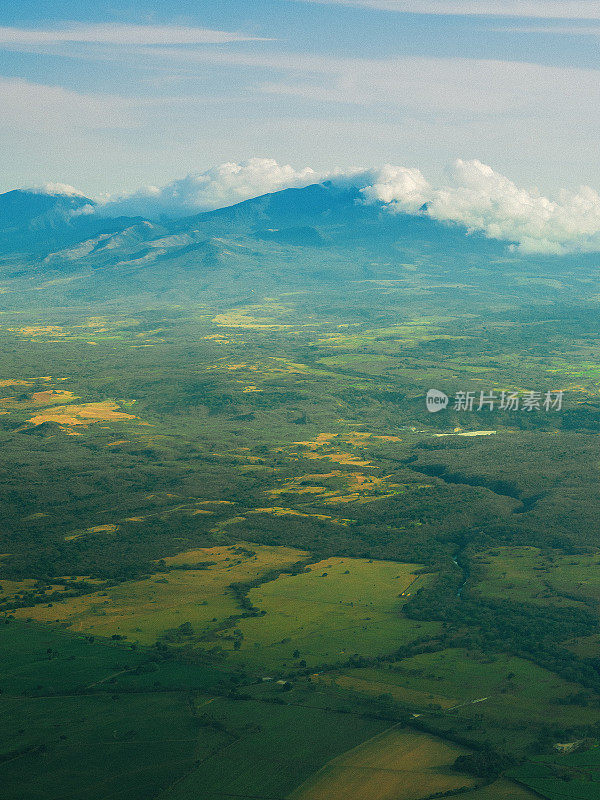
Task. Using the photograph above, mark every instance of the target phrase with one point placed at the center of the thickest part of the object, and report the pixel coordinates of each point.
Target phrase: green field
(572, 775)
(530, 574)
(338, 608)
(398, 764)
(269, 749)
(143, 611)
(495, 697)
(244, 549)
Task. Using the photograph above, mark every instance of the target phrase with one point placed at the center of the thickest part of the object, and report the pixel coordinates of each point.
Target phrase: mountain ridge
(299, 238)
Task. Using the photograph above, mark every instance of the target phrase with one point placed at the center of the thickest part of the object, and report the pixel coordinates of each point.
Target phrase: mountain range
(59, 249)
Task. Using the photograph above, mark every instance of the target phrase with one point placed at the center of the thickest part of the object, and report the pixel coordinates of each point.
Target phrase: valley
(239, 557)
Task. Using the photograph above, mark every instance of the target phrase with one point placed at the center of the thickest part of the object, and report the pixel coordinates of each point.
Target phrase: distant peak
(58, 190)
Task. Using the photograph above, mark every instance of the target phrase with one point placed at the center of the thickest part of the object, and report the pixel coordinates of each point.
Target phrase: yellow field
(95, 529)
(142, 610)
(14, 382)
(395, 765)
(331, 446)
(38, 399)
(241, 319)
(336, 608)
(325, 447)
(59, 406)
(9, 589)
(279, 511)
(338, 487)
(82, 414)
(39, 330)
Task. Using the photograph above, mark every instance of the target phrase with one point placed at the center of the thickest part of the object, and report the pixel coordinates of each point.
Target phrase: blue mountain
(324, 234)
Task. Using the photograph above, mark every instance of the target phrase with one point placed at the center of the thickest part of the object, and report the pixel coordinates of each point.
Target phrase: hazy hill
(37, 222)
(52, 253)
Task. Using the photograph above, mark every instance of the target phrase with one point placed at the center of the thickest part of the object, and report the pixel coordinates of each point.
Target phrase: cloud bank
(485, 201)
(474, 196)
(221, 186)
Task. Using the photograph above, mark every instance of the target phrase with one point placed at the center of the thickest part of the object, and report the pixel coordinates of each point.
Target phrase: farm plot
(334, 609)
(399, 764)
(532, 575)
(142, 610)
(269, 749)
(569, 776)
(504, 698)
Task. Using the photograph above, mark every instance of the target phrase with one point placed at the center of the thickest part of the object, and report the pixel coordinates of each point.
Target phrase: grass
(396, 765)
(571, 776)
(9, 589)
(41, 659)
(335, 609)
(502, 790)
(142, 610)
(81, 414)
(337, 487)
(61, 747)
(270, 749)
(59, 406)
(506, 698)
(529, 574)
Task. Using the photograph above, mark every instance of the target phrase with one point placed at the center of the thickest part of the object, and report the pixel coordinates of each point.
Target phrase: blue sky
(110, 96)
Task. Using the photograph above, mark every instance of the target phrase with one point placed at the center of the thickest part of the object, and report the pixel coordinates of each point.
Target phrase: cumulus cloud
(402, 188)
(483, 200)
(474, 196)
(221, 186)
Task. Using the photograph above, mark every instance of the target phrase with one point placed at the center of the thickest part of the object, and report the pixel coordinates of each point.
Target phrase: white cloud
(221, 186)
(402, 187)
(57, 189)
(119, 34)
(457, 85)
(465, 86)
(485, 201)
(560, 30)
(38, 108)
(475, 197)
(543, 9)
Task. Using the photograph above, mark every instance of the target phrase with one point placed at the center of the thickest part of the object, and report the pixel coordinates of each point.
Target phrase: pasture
(502, 789)
(504, 698)
(269, 749)
(96, 747)
(143, 610)
(569, 776)
(533, 575)
(335, 609)
(398, 764)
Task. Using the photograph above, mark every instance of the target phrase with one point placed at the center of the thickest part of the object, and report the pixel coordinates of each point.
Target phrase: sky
(111, 97)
